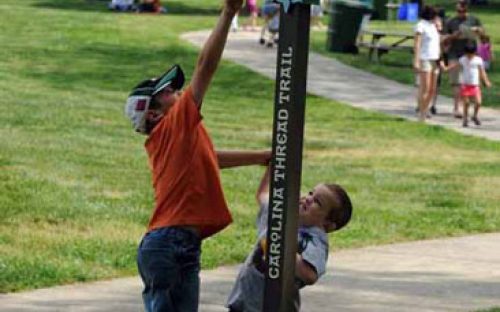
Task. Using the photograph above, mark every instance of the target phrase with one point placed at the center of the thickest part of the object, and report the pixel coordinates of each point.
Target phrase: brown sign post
(286, 165)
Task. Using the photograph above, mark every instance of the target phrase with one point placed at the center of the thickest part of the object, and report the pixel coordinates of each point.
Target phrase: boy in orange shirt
(189, 202)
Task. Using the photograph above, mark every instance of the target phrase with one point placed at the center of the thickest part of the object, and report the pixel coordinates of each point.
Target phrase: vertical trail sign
(286, 165)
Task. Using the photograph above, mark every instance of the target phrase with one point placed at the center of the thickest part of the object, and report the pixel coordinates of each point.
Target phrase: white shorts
(429, 66)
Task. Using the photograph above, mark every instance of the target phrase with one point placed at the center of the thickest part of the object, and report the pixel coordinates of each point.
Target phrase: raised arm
(229, 159)
(212, 51)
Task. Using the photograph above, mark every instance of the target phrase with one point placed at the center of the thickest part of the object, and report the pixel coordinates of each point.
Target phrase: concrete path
(333, 80)
(455, 274)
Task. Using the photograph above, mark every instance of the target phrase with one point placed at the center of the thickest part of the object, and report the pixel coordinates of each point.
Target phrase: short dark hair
(428, 13)
(484, 38)
(340, 215)
(462, 4)
(441, 12)
(470, 47)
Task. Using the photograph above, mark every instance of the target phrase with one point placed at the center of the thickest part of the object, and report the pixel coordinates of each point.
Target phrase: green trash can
(380, 9)
(345, 21)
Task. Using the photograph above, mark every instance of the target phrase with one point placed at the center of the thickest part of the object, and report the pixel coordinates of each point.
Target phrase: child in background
(273, 27)
(253, 10)
(472, 73)
(316, 15)
(234, 23)
(270, 13)
(151, 6)
(485, 51)
(325, 209)
(121, 5)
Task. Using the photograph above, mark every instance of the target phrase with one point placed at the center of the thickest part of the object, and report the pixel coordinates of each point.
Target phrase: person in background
(439, 21)
(316, 15)
(427, 52)
(253, 10)
(472, 73)
(270, 13)
(234, 23)
(122, 5)
(459, 30)
(151, 6)
(485, 51)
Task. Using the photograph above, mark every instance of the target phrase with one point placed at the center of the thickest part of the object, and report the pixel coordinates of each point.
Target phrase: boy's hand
(416, 66)
(233, 6)
(267, 158)
(487, 84)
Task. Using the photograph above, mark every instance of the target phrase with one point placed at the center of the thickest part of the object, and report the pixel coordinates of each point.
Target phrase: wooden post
(286, 165)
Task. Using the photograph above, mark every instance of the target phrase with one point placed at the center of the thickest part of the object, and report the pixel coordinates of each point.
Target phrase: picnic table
(377, 48)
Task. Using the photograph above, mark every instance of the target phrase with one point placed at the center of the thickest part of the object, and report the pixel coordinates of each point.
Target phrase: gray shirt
(248, 292)
(454, 24)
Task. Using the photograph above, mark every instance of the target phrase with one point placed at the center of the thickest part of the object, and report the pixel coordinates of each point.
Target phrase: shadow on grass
(78, 5)
(174, 7)
(377, 118)
(184, 8)
(490, 8)
(108, 66)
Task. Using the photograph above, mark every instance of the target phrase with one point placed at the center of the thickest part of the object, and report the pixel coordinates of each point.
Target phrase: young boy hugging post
(324, 209)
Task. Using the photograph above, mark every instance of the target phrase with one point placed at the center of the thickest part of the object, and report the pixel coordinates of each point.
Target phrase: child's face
(315, 207)
(167, 97)
(470, 54)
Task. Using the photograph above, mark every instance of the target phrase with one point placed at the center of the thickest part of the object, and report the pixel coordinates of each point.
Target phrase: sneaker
(262, 41)
(457, 115)
(476, 121)
(433, 110)
(465, 124)
(269, 44)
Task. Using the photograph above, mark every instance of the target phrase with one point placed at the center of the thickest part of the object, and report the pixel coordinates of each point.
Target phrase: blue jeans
(169, 264)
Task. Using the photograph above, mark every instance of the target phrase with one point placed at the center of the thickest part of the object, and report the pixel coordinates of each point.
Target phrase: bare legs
(454, 74)
(426, 92)
(456, 101)
(477, 105)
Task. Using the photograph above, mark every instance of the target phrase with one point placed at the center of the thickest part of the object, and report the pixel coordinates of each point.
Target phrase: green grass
(76, 191)
(397, 65)
(489, 310)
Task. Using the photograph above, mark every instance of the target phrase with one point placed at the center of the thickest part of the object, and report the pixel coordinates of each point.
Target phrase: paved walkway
(331, 79)
(455, 274)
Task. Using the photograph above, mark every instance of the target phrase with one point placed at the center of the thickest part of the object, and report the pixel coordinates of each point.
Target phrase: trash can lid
(365, 4)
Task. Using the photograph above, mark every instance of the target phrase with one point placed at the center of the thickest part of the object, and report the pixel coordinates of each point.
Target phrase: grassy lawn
(397, 65)
(76, 192)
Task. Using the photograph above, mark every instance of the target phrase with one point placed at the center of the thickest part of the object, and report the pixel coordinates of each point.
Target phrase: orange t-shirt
(186, 172)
